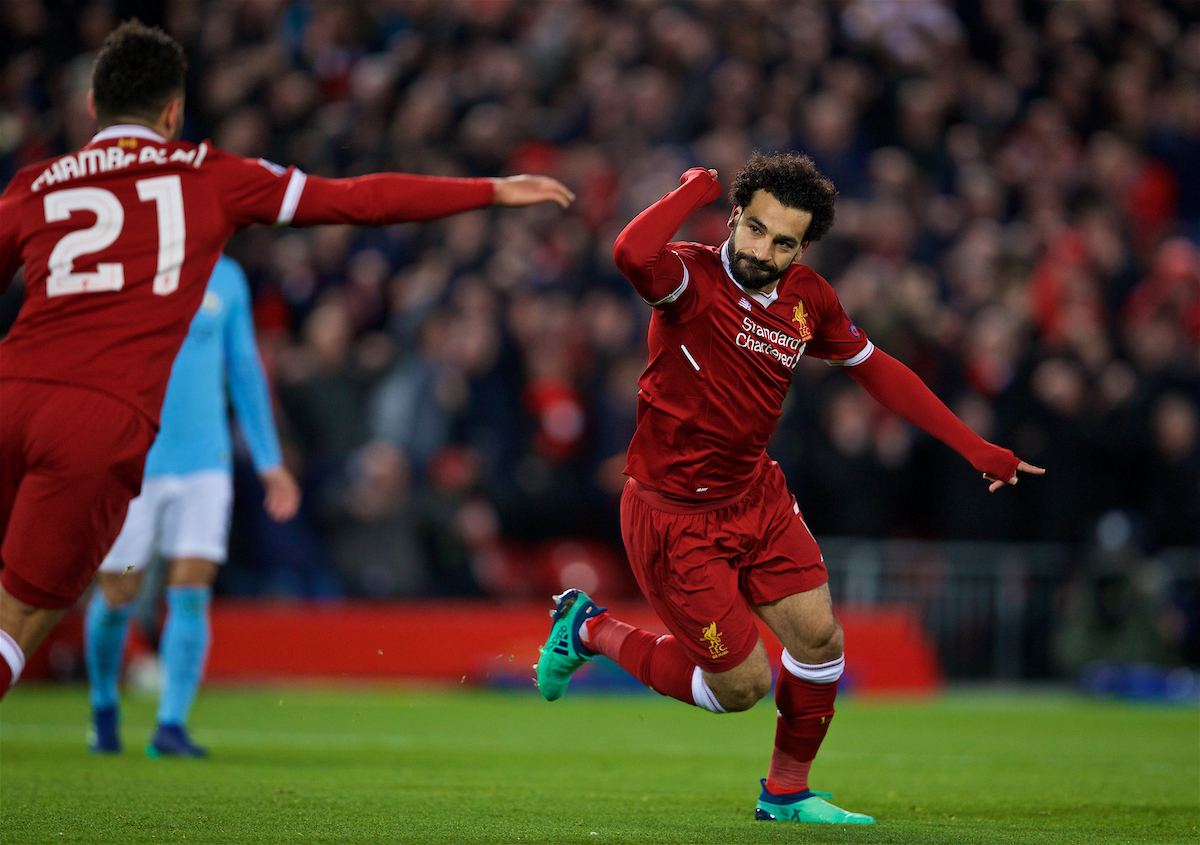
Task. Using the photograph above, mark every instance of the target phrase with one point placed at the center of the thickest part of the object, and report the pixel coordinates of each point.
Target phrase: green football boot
(564, 652)
(809, 806)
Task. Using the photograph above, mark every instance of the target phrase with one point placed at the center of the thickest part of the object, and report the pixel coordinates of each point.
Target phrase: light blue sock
(183, 651)
(104, 633)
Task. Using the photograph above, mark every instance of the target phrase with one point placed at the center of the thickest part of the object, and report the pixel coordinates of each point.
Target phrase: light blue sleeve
(247, 382)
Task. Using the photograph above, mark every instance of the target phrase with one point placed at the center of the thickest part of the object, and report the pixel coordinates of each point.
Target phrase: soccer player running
(118, 241)
(712, 533)
(183, 511)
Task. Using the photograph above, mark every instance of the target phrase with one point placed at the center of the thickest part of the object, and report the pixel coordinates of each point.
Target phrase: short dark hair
(794, 180)
(138, 70)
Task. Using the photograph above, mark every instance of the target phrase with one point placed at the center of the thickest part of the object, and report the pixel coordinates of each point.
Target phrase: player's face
(765, 238)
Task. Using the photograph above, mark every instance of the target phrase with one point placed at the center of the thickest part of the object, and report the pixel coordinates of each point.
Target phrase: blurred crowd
(1019, 222)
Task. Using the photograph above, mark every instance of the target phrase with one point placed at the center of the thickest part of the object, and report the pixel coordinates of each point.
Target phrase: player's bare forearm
(641, 244)
(526, 189)
(901, 391)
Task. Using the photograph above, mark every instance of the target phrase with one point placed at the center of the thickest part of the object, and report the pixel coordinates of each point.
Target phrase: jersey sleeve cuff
(854, 360)
(675, 294)
(291, 197)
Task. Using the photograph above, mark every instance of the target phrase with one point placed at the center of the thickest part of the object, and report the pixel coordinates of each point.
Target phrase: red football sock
(5, 678)
(805, 709)
(604, 635)
(657, 661)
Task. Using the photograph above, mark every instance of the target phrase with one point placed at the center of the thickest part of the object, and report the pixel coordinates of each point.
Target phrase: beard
(749, 272)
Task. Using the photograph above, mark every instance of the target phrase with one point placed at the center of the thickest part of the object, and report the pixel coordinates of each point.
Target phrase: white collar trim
(763, 299)
(128, 130)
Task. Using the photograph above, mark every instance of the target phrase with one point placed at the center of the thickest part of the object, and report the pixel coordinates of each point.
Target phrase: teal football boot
(808, 806)
(564, 652)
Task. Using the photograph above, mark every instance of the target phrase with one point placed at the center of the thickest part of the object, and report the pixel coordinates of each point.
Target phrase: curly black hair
(138, 70)
(794, 180)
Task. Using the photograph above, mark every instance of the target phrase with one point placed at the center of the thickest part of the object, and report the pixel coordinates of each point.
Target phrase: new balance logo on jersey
(745, 303)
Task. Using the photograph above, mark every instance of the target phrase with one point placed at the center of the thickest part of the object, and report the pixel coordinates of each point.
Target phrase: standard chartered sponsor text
(764, 341)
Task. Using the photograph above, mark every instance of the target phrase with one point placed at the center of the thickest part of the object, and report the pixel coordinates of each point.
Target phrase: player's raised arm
(386, 198)
(900, 390)
(641, 246)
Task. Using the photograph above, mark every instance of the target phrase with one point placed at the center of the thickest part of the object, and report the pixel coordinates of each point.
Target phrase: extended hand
(1021, 467)
(283, 494)
(527, 189)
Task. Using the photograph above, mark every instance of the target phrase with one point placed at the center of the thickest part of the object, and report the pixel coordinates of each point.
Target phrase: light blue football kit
(184, 507)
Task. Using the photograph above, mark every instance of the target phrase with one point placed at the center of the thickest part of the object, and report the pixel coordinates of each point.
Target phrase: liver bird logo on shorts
(713, 637)
(801, 317)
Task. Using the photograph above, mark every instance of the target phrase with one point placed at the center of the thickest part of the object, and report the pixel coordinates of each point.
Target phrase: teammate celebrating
(712, 533)
(118, 241)
(183, 512)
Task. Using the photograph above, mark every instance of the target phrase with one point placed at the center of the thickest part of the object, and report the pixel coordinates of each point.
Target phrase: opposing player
(712, 533)
(183, 511)
(118, 241)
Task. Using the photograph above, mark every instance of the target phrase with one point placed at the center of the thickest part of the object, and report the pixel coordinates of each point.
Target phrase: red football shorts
(71, 460)
(701, 571)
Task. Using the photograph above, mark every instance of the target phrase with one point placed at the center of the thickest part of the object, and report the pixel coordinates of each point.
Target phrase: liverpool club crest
(800, 317)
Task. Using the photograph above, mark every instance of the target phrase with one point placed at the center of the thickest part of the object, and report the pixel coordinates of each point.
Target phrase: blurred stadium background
(1019, 222)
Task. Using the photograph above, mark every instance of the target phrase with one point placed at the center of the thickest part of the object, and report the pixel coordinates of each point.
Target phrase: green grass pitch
(411, 765)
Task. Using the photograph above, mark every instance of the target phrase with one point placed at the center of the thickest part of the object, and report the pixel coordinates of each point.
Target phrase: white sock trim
(13, 656)
(818, 673)
(702, 696)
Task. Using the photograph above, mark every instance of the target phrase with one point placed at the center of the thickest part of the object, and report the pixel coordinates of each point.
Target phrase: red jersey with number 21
(118, 241)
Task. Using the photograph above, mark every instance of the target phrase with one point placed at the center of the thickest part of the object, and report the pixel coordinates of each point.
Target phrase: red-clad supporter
(1172, 290)
(117, 241)
(712, 533)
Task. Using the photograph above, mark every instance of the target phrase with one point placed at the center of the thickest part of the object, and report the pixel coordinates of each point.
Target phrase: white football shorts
(176, 516)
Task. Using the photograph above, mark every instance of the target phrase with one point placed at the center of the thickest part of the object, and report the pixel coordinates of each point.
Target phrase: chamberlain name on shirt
(103, 159)
(766, 341)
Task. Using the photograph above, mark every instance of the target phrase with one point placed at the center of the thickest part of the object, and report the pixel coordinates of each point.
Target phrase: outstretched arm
(385, 198)
(640, 250)
(900, 390)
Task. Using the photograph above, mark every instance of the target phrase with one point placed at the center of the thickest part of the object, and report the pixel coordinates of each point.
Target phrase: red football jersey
(118, 241)
(721, 362)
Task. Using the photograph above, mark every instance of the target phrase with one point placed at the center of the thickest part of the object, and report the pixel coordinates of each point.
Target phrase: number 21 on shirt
(166, 192)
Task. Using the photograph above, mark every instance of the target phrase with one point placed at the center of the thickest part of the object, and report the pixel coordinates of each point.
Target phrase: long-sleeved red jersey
(721, 358)
(118, 241)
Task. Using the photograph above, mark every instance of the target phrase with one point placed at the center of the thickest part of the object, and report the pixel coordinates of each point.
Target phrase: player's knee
(826, 641)
(746, 694)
